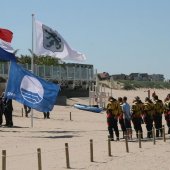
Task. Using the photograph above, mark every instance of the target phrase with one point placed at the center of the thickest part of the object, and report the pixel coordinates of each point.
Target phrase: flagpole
(32, 59)
(32, 62)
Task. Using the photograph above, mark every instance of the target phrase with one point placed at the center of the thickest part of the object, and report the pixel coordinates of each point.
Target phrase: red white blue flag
(6, 51)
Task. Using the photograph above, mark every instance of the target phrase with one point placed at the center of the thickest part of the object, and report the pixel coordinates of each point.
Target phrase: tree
(40, 60)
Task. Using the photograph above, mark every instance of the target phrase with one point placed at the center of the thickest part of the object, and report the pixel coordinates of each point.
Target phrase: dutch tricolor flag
(6, 51)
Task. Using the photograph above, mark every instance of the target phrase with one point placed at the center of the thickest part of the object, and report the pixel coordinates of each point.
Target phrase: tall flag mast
(32, 61)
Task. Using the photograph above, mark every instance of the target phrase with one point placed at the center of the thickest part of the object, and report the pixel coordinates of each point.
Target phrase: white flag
(50, 42)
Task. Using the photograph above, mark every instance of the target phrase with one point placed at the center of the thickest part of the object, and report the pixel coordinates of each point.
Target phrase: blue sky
(117, 36)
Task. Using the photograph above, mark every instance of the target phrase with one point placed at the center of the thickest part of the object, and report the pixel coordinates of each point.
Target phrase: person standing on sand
(8, 108)
(121, 120)
(167, 111)
(27, 110)
(157, 117)
(113, 110)
(46, 115)
(137, 111)
(1, 111)
(127, 117)
(148, 116)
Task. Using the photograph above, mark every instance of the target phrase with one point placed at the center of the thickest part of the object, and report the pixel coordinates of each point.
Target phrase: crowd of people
(149, 112)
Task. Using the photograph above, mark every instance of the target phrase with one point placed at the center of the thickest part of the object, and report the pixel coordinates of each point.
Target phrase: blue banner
(7, 56)
(31, 90)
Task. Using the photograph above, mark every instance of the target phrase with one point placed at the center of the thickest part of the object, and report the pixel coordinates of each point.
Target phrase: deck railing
(69, 74)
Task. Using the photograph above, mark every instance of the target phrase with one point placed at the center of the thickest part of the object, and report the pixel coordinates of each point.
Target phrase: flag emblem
(52, 40)
(32, 93)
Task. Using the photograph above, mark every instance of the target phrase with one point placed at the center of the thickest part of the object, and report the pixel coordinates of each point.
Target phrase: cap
(111, 99)
(153, 94)
(137, 98)
(147, 99)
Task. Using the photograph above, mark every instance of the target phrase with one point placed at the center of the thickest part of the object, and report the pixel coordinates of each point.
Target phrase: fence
(91, 149)
(67, 74)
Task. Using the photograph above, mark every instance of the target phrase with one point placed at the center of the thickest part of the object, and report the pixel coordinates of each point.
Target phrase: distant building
(119, 77)
(139, 77)
(157, 77)
(144, 76)
(134, 76)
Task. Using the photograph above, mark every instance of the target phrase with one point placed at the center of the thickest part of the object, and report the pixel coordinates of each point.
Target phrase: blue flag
(7, 56)
(31, 90)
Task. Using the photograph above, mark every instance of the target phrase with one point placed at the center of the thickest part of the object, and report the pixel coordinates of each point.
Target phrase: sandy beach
(21, 141)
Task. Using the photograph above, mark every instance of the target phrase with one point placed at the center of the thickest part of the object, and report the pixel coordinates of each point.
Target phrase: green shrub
(128, 86)
(133, 84)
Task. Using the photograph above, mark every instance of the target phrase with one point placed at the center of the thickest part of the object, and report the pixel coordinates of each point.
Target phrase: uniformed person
(137, 112)
(167, 111)
(148, 116)
(113, 110)
(121, 120)
(157, 117)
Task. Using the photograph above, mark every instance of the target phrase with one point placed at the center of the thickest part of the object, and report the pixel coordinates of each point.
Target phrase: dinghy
(88, 108)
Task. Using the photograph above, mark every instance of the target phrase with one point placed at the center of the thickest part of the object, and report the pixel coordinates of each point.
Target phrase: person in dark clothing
(167, 111)
(137, 111)
(1, 108)
(121, 120)
(8, 108)
(148, 116)
(27, 110)
(113, 111)
(46, 115)
(157, 117)
(1, 111)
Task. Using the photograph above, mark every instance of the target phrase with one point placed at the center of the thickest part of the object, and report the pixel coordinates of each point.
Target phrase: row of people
(148, 112)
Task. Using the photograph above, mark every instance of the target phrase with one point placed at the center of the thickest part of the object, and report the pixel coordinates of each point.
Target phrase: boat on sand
(88, 108)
